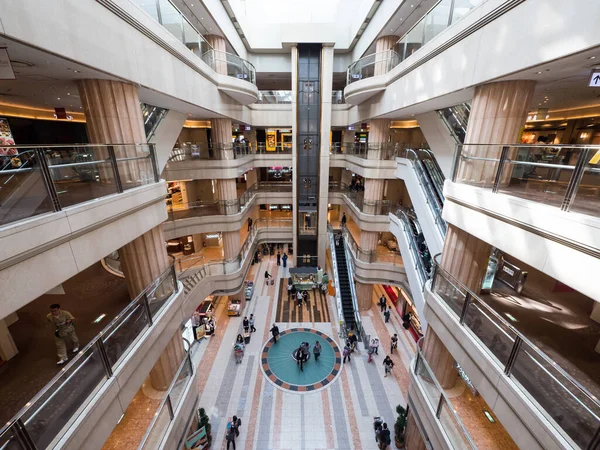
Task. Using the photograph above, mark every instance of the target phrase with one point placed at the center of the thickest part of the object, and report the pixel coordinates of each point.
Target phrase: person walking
(299, 298)
(394, 342)
(387, 314)
(375, 345)
(284, 258)
(317, 350)
(275, 332)
(382, 303)
(346, 352)
(304, 349)
(344, 220)
(230, 437)
(267, 276)
(388, 365)
(278, 258)
(236, 423)
(251, 322)
(249, 224)
(305, 297)
(385, 438)
(246, 324)
(64, 328)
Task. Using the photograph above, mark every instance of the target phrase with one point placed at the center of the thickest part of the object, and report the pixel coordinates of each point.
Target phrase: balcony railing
(371, 256)
(40, 179)
(53, 410)
(564, 176)
(356, 197)
(337, 97)
(165, 414)
(367, 150)
(565, 403)
(226, 207)
(202, 150)
(199, 267)
(230, 64)
(441, 406)
(444, 14)
(274, 97)
(419, 252)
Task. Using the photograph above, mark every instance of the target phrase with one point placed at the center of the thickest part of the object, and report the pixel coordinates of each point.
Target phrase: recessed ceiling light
(68, 93)
(412, 6)
(592, 57)
(538, 73)
(58, 98)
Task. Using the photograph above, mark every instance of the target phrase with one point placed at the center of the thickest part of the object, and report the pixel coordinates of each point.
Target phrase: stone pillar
(373, 195)
(228, 199)
(412, 436)
(439, 359)
(143, 260)
(364, 296)
(465, 257)
(498, 113)
(221, 138)
(8, 348)
(219, 44)
(165, 369)
(379, 137)
(251, 178)
(384, 55)
(113, 116)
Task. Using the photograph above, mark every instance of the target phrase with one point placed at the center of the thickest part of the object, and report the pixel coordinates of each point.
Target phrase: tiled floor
(338, 417)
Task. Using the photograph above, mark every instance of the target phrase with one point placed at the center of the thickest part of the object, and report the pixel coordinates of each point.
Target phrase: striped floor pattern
(289, 311)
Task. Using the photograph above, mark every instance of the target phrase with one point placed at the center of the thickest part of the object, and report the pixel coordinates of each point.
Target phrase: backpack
(384, 437)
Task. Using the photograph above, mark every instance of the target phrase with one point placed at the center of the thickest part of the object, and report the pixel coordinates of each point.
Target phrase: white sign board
(595, 79)
(6, 70)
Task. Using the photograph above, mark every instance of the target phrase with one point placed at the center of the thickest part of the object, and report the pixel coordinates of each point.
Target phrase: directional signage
(595, 79)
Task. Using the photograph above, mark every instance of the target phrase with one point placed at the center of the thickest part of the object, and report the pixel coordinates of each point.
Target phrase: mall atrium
(299, 224)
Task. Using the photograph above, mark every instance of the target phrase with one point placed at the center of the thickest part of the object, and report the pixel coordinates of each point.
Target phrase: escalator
(152, 115)
(456, 119)
(343, 281)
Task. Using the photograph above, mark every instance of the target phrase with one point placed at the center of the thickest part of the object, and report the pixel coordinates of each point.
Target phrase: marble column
(364, 296)
(498, 113)
(379, 138)
(165, 369)
(219, 44)
(113, 116)
(143, 260)
(384, 55)
(8, 348)
(465, 257)
(412, 436)
(228, 199)
(439, 359)
(221, 138)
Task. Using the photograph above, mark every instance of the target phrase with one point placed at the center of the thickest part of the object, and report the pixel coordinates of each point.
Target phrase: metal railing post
(465, 307)
(104, 357)
(440, 404)
(147, 309)
(23, 435)
(170, 407)
(47, 177)
(513, 356)
(456, 162)
(174, 275)
(113, 163)
(575, 180)
(503, 158)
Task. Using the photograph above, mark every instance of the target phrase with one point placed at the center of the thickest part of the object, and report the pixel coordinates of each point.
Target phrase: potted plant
(400, 426)
(203, 421)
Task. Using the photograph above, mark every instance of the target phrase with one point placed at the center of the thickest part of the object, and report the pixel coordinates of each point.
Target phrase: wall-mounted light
(584, 135)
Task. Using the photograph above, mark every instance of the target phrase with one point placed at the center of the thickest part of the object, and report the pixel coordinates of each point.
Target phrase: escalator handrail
(338, 296)
(351, 283)
(412, 242)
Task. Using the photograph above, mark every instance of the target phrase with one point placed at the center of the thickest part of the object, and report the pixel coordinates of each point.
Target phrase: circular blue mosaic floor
(281, 368)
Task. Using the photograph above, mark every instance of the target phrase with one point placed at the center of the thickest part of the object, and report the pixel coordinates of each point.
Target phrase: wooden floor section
(289, 311)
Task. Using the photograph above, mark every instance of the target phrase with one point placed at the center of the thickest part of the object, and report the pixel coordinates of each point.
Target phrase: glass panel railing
(367, 150)
(48, 415)
(456, 119)
(168, 15)
(418, 250)
(35, 180)
(230, 64)
(168, 408)
(563, 176)
(337, 97)
(564, 401)
(371, 256)
(444, 14)
(201, 150)
(441, 406)
(275, 97)
(152, 116)
(226, 207)
(355, 195)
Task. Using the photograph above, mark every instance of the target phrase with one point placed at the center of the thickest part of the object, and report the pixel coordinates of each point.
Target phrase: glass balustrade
(371, 256)
(274, 97)
(201, 150)
(444, 14)
(225, 207)
(563, 176)
(367, 150)
(356, 196)
(440, 405)
(40, 179)
(47, 416)
(230, 64)
(569, 406)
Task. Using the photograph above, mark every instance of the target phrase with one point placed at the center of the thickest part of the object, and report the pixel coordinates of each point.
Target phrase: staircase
(344, 283)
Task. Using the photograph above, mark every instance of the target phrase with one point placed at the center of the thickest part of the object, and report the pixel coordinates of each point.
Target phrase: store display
(234, 308)
(303, 278)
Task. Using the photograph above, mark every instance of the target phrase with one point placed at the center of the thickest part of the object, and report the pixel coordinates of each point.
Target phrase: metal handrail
(461, 286)
(351, 278)
(335, 274)
(97, 340)
(388, 57)
(412, 244)
(420, 358)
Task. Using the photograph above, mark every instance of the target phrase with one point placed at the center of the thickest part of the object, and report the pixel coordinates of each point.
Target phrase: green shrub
(400, 425)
